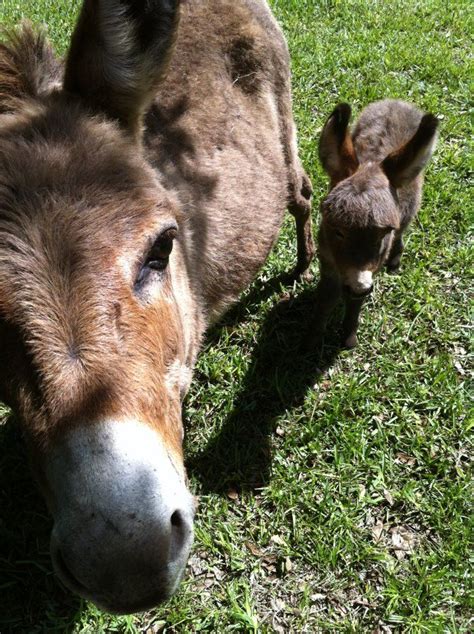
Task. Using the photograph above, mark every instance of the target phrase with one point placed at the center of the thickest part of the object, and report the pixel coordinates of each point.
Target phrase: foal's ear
(403, 165)
(336, 151)
(119, 51)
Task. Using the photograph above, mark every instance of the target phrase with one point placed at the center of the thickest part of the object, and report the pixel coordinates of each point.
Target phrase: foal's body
(170, 125)
(376, 183)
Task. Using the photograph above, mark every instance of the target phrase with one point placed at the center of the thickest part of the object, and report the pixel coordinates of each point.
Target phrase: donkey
(376, 176)
(142, 186)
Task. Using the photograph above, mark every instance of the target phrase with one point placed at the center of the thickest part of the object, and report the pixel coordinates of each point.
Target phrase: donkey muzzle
(357, 295)
(359, 284)
(123, 516)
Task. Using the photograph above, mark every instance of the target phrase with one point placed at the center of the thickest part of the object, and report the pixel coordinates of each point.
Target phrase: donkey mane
(28, 66)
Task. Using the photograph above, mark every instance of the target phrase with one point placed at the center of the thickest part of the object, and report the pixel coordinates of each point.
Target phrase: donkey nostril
(181, 527)
(181, 534)
(177, 520)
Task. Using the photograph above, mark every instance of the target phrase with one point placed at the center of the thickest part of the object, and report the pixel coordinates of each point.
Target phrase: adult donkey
(140, 191)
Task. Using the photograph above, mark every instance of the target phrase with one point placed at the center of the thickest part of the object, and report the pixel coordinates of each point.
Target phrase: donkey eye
(340, 235)
(157, 257)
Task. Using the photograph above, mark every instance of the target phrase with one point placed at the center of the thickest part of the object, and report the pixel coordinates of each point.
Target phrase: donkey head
(361, 212)
(95, 333)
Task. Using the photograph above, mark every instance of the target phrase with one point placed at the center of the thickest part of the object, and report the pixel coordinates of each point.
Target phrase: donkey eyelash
(156, 257)
(161, 247)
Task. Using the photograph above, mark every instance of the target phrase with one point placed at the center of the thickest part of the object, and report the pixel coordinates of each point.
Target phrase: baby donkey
(375, 192)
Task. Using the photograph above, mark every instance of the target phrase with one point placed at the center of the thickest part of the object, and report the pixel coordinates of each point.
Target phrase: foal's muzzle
(359, 294)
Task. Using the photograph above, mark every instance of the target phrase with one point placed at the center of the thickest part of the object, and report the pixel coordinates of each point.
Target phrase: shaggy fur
(139, 195)
(376, 178)
(167, 114)
(28, 68)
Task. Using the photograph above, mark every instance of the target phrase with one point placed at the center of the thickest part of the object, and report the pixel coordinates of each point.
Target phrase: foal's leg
(328, 292)
(393, 262)
(350, 323)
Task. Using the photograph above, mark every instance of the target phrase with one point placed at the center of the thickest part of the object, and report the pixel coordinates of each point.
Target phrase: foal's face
(359, 218)
(357, 253)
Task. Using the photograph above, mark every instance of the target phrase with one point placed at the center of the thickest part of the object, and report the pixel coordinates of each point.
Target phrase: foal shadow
(281, 373)
(31, 599)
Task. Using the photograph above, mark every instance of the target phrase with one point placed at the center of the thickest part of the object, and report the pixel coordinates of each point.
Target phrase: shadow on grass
(31, 599)
(281, 373)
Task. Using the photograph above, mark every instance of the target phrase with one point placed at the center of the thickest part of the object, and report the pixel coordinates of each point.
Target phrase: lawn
(335, 488)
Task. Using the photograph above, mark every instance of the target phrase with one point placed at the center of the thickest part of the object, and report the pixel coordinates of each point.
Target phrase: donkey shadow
(281, 372)
(31, 599)
(278, 379)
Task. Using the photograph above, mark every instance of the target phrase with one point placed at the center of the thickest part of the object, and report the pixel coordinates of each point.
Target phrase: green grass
(314, 472)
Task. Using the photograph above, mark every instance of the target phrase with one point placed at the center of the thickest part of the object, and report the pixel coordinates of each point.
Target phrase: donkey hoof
(306, 186)
(351, 341)
(304, 276)
(393, 266)
(300, 275)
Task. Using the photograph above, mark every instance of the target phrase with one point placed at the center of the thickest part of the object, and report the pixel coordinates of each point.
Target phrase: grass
(335, 493)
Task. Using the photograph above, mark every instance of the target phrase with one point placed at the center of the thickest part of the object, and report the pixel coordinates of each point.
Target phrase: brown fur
(28, 68)
(84, 192)
(375, 192)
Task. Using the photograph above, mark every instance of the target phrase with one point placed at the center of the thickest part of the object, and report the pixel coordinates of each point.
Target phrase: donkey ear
(403, 165)
(336, 151)
(119, 51)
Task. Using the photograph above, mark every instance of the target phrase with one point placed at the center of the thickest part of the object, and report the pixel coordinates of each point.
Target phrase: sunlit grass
(335, 493)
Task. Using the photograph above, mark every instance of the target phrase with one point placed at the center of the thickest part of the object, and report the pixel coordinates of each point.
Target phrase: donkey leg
(299, 184)
(350, 323)
(393, 262)
(328, 292)
(300, 207)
